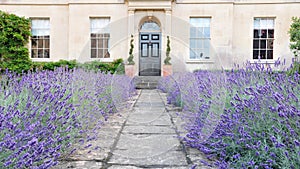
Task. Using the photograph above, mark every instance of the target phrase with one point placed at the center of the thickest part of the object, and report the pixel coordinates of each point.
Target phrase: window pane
(200, 44)
(145, 37)
(107, 55)
(46, 43)
(34, 53)
(193, 43)
(99, 25)
(256, 23)
(255, 54)
(40, 53)
(100, 43)
(105, 43)
(262, 54)
(193, 33)
(93, 53)
(144, 50)
(256, 44)
(263, 23)
(256, 33)
(195, 22)
(270, 43)
(40, 27)
(206, 43)
(150, 26)
(33, 43)
(205, 22)
(206, 53)
(270, 23)
(192, 54)
(271, 33)
(199, 32)
(270, 54)
(93, 43)
(155, 50)
(263, 44)
(207, 32)
(155, 37)
(40, 43)
(264, 33)
(100, 53)
(46, 53)
(200, 54)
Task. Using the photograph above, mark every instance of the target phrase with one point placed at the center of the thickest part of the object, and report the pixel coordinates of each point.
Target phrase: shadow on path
(146, 136)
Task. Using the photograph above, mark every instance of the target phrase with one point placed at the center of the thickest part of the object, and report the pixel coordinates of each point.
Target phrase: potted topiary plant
(130, 67)
(167, 67)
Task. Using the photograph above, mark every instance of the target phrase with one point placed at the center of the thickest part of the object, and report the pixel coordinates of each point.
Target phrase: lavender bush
(246, 118)
(47, 115)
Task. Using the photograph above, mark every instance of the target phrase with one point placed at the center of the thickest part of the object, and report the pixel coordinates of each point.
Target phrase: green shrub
(52, 65)
(116, 66)
(295, 44)
(14, 35)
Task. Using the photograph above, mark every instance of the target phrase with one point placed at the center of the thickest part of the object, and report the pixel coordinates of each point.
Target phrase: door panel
(155, 50)
(144, 50)
(150, 54)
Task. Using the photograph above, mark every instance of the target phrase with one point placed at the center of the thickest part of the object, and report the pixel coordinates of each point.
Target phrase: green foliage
(14, 35)
(295, 68)
(168, 58)
(52, 65)
(130, 58)
(295, 36)
(116, 66)
(295, 44)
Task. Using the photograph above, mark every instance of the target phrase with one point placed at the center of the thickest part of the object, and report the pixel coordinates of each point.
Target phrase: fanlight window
(150, 26)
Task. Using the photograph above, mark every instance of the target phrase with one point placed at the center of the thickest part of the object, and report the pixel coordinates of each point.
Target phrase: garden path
(144, 137)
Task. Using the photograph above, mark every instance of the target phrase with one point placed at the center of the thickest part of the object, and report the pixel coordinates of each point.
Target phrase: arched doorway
(150, 49)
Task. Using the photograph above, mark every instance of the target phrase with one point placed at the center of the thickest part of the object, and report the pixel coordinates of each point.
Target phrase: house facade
(204, 34)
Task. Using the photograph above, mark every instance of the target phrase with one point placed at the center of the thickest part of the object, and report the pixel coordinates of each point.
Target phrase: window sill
(102, 59)
(271, 61)
(41, 59)
(208, 61)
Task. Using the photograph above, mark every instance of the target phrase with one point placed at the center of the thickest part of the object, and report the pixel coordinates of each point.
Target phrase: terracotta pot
(167, 70)
(130, 70)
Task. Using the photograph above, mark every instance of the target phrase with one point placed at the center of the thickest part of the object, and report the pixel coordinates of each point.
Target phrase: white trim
(102, 59)
(202, 61)
(264, 61)
(41, 59)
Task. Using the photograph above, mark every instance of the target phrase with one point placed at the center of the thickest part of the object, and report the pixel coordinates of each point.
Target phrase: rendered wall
(231, 26)
(59, 28)
(243, 28)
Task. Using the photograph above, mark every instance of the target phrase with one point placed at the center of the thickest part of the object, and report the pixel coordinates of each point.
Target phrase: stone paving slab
(149, 109)
(134, 167)
(149, 119)
(146, 136)
(148, 130)
(170, 158)
(149, 104)
(79, 165)
(142, 146)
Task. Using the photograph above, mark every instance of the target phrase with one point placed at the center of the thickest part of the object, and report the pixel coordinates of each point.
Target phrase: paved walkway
(145, 137)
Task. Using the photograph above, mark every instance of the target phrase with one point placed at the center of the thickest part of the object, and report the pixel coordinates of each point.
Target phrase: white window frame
(263, 38)
(41, 38)
(200, 39)
(100, 37)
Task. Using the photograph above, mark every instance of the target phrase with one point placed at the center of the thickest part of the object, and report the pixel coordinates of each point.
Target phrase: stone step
(146, 82)
(146, 86)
